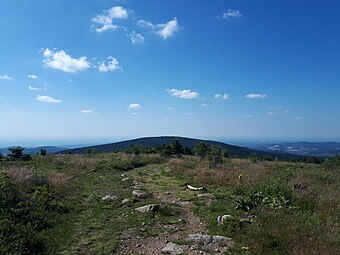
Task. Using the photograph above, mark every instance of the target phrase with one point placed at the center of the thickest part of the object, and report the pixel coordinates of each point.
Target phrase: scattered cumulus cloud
(230, 14)
(271, 113)
(163, 30)
(184, 94)
(256, 96)
(110, 65)
(136, 37)
(169, 29)
(204, 105)
(104, 22)
(146, 24)
(62, 61)
(33, 88)
(135, 106)
(86, 111)
(32, 76)
(134, 113)
(47, 99)
(5, 77)
(220, 96)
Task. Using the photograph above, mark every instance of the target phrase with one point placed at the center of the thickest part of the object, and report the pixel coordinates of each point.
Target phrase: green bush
(25, 213)
(332, 163)
(272, 195)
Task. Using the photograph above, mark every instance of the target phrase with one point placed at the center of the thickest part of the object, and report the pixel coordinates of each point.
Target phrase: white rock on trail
(172, 248)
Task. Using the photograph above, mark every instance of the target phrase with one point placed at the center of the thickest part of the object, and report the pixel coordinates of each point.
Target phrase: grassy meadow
(53, 204)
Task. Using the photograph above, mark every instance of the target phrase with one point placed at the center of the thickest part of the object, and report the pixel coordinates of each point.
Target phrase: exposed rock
(125, 179)
(139, 194)
(195, 188)
(172, 248)
(223, 241)
(148, 208)
(199, 239)
(125, 201)
(110, 197)
(222, 218)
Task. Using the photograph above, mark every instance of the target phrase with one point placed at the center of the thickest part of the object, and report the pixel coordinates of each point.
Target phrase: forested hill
(186, 142)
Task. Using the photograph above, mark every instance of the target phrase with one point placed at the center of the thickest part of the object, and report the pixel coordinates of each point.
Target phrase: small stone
(172, 248)
(125, 201)
(199, 239)
(125, 179)
(148, 208)
(110, 197)
(139, 194)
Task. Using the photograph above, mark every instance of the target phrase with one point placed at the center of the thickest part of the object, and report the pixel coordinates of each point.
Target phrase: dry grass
(58, 183)
(22, 175)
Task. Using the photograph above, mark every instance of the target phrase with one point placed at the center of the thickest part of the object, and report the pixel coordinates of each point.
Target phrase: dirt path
(131, 244)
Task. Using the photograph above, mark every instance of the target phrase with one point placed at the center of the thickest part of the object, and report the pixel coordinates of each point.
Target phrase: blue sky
(124, 68)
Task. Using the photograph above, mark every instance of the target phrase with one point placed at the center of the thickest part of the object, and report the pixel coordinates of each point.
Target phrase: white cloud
(220, 96)
(60, 60)
(47, 99)
(185, 94)
(134, 113)
(105, 21)
(163, 30)
(204, 105)
(86, 111)
(168, 29)
(287, 111)
(256, 96)
(171, 108)
(5, 77)
(232, 14)
(135, 106)
(111, 65)
(146, 24)
(33, 88)
(32, 76)
(136, 37)
(271, 113)
(298, 118)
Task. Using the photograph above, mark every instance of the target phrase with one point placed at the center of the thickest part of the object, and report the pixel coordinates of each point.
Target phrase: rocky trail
(188, 236)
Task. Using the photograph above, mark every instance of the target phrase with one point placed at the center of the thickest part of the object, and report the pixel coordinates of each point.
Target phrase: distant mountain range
(281, 150)
(35, 150)
(186, 142)
(319, 149)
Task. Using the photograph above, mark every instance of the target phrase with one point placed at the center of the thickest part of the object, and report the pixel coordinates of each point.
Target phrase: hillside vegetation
(148, 142)
(84, 204)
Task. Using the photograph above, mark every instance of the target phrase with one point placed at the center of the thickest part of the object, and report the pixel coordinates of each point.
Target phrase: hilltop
(233, 150)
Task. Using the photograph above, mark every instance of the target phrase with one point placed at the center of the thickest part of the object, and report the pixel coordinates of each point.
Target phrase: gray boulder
(223, 241)
(148, 208)
(199, 239)
(172, 248)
